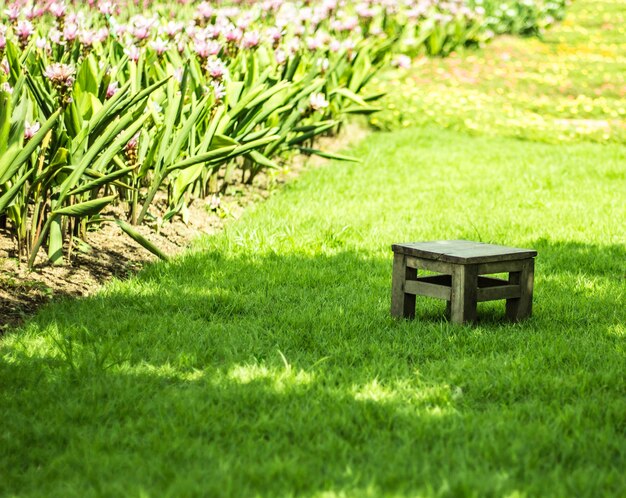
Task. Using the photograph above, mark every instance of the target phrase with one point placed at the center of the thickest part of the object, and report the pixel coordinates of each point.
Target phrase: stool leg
(402, 304)
(522, 307)
(464, 293)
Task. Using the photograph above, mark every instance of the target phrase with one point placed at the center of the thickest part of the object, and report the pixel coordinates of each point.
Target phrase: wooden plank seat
(462, 265)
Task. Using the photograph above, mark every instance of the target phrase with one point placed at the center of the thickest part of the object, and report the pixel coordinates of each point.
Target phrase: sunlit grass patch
(568, 87)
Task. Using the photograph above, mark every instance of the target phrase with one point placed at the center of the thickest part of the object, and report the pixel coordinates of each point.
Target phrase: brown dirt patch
(109, 253)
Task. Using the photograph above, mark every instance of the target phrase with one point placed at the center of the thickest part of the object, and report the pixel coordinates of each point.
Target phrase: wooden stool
(461, 263)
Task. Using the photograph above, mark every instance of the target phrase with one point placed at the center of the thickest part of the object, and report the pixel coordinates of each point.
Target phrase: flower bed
(116, 102)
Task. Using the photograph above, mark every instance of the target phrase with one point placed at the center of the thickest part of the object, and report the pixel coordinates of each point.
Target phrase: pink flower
(251, 39)
(233, 35)
(401, 61)
(41, 43)
(5, 87)
(205, 10)
(87, 37)
(24, 29)
(13, 12)
(280, 57)
(133, 141)
(133, 53)
(70, 32)
(112, 89)
(3, 41)
(141, 32)
(317, 101)
(219, 90)
(57, 9)
(172, 28)
(106, 8)
(274, 34)
(60, 74)
(30, 129)
(102, 34)
(159, 45)
(217, 69)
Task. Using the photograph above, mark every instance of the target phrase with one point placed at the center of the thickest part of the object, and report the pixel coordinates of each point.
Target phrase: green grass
(265, 363)
(568, 87)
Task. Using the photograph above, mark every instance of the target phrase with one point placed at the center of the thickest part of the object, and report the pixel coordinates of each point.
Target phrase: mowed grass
(265, 362)
(568, 87)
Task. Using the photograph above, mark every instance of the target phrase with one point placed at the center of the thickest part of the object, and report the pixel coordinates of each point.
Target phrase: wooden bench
(461, 266)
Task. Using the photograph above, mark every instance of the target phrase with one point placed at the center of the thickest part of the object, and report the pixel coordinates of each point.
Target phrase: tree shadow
(271, 374)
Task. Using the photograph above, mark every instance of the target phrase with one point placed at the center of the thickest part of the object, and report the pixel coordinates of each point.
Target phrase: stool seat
(461, 264)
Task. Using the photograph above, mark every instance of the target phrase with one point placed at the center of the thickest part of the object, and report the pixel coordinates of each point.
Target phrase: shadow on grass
(284, 375)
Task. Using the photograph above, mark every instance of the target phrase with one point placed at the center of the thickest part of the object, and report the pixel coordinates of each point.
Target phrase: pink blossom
(30, 129)
(280, 57)
(205, 10)
(317, 101)
(401, 61)
(274, 34)
(233, 35)
(141, 32)
(3, 41)
(13, 12)
(112, 89)
(61, 74)
(106, 8)
(24, 29)
(41, 43)
(217, 69)
(102, 34)
(70, 32)
(159, 45)
(334, 45)
(133, 53)
(87, 37)
(172, 28)
(5, 87)
(55, 36)
(57, 9)
(251, 39)
(219, 90)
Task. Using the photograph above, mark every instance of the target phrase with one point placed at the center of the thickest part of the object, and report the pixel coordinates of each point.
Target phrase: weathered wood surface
(522, 307)
(464, 293)
(402, 303)
(462, 251)
(429, 264)
(461, 264)
(428, 289)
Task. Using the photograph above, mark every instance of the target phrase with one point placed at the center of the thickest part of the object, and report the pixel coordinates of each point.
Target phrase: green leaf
(102, 180)
(220, 153)
(261, 160)
(28, 149)
(329, 155)
(141, 240)
(5, 120)
(55, 241)
(344, 92)
(87, 208)
(9, 195)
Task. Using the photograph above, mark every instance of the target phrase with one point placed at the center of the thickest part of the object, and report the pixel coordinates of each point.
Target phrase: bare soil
(109, 253)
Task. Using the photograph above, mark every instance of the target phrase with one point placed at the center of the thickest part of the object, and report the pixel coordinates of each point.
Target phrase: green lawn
(265, 362)
(568, 87)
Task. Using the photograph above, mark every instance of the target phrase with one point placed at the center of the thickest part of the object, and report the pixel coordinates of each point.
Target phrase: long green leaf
(30, 146)
(9, 195)
(220, 153)
(141, 240)
(87, 208)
